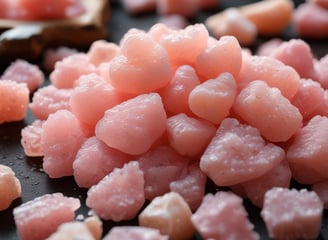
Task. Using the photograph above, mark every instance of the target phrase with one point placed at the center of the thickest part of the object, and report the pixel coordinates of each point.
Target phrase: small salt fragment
(321, 188)
(176, 93)
(191, 185)
(238, 153)
(214, 59)
(142, 65)
(49, 99)
(10, 187)
(60, 146)
(122, 128)
(120, 195)
(287, 51)
(69, 69)
(174, 21)
(292, 214)
(170, 214)
(321, 67)
(223, 216)
(268, 110)
(135, 233)
(14, 101)
(160, 166)
(31, 139)
(39, 218)
(89, 229)
(266, 48)
(278, 176)
(102, 51)
(184, 45)
(307, 153)
(94, 160)
(311, 21)
(218, 95)
(72, 230)
(264, 15)
(22, 71)
(189, 136)
(232, 22)
(51, 56)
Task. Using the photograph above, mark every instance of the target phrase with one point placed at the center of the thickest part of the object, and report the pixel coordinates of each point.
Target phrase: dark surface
(36, 183)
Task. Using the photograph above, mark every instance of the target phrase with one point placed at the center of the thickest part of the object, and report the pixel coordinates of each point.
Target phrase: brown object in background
(22, 39)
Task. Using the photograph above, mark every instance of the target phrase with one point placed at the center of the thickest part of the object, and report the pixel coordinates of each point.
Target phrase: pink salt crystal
(49, 99)
(120, 195)
(37, 219)
(309, 98)
(238, 153)
(103, 71)
(95, 225)
(89, 229)
(223, 216)
(134, 125)
(322, 3)
(158, 30)
(239, 190)
(267, 47)
(311, 21)
(232, 22)
(72, 230)
(142, 65)
(170, 214)
(160, 167)
(94, 160)
(190, 185)
(213, 99)
(176, 93)
(10, 187)
(186, 8)
(321, 67)
(68, 70)
(189, 136)
(278, 176)
(102, 51)
(323, 108)
(321, 188)
(174, 21)
(51, 56)
(184, 45)
(14, 101)
(31, 139)
(22, 71)
(307, 155)
(286, 53)
(140, 6)
(91, 97)
(270, 70)
(266, 109)
(134, 34)
(134, 233)
(292, 214)
(62, 136)
(219, 56)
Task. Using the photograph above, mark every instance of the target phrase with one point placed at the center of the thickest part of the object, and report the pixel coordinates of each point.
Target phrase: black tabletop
(36, 183)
